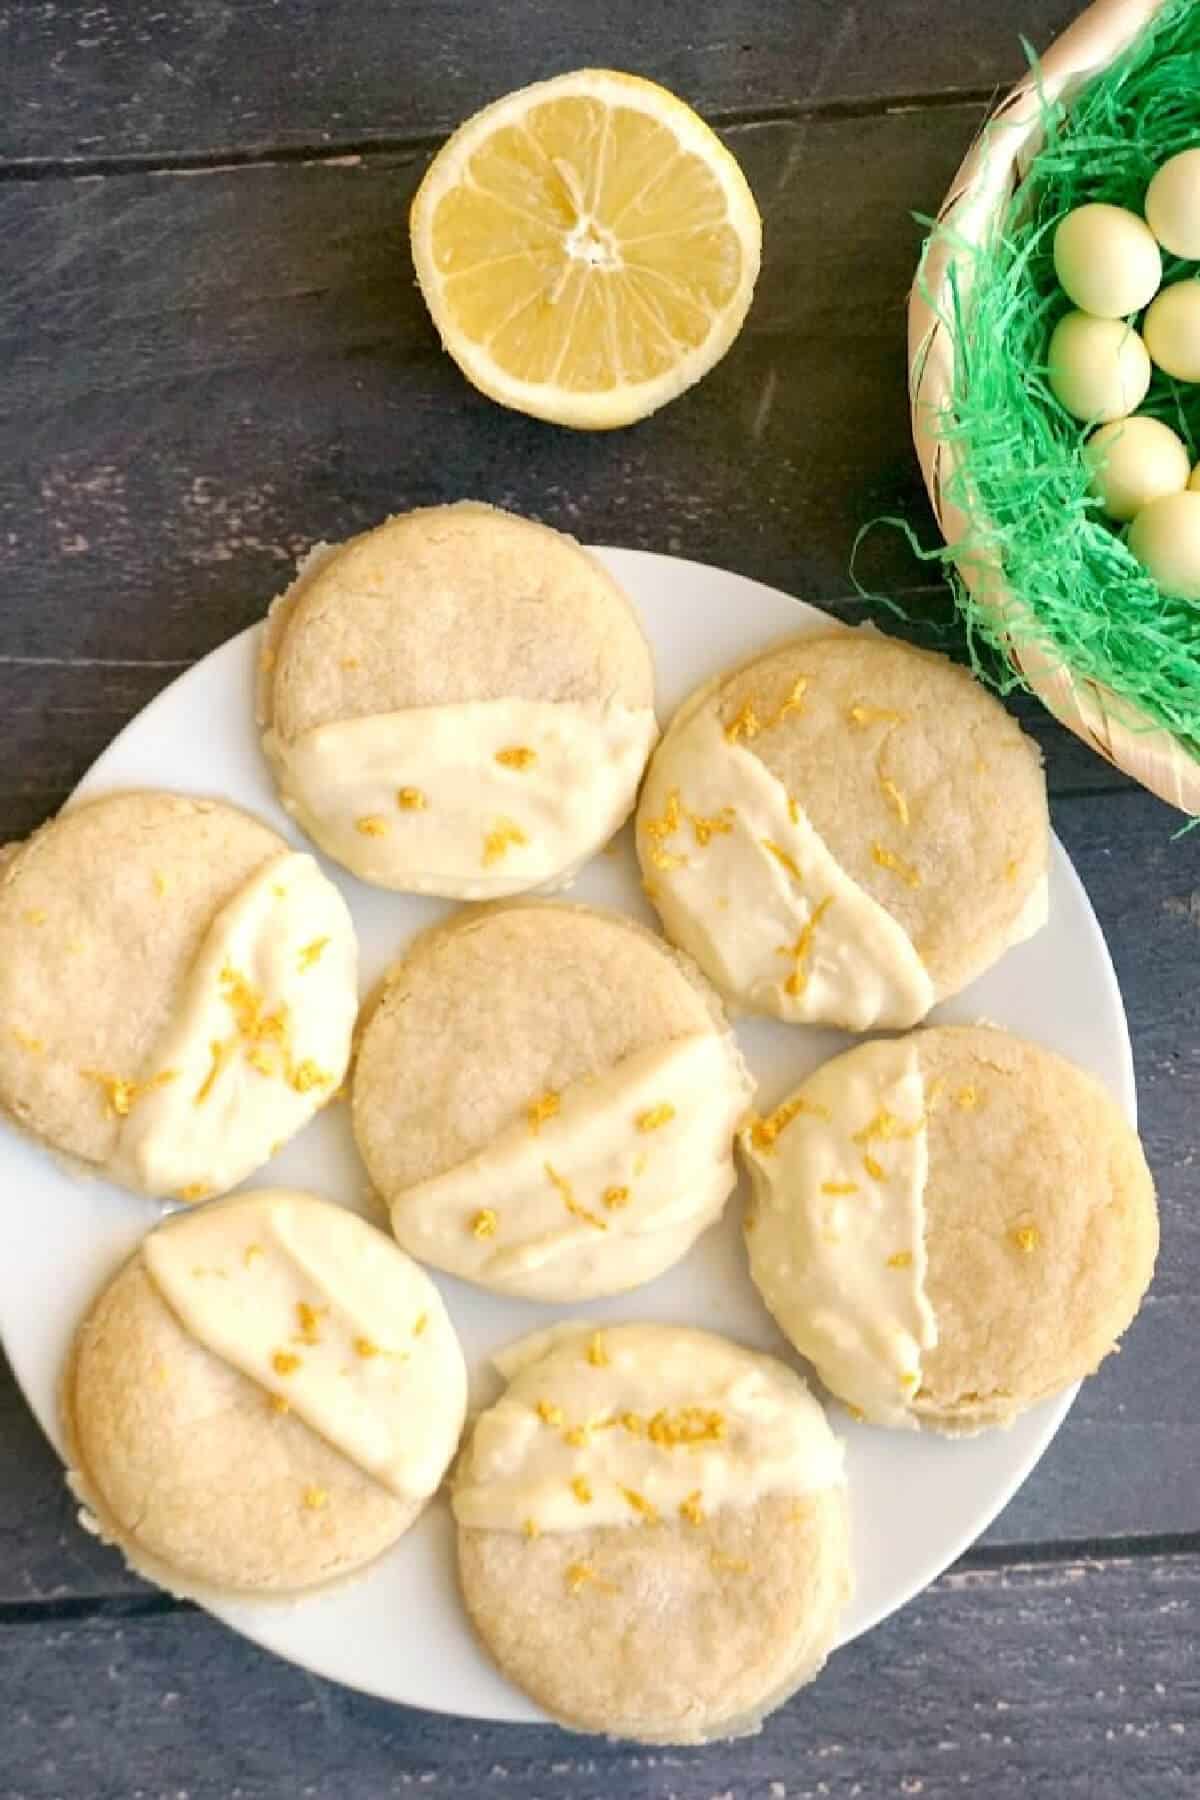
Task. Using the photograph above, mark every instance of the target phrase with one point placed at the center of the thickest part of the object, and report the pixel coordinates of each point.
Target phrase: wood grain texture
(206, 372)
(107, 79)
(1073, 1682)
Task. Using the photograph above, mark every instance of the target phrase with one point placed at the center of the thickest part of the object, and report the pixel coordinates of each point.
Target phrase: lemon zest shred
(691, 1509)
(801, 950)
(686, 1425)
(861, 714)
(541, 1109)
(795, 700)
(764, 1131)
(570, 1202)
(784, 857)
(579, 1574)
(496, 845)
(310, 1320)
(732, 1565)
(887, 859)
(484, 1223)
(716, 826)
(745, 724)
(655, 1117)
(644, 1508)
(516, 756)
(122, 1096)
(898, 801)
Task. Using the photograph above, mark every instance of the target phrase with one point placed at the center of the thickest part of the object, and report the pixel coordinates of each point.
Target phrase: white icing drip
(836, 1234)
(785, 929)
(373, 1366)
(474, 827)
(288, 937)
(611, 1403)
(591, 1202)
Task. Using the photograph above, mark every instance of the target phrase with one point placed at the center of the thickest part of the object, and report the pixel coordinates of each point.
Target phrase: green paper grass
(1018, 473)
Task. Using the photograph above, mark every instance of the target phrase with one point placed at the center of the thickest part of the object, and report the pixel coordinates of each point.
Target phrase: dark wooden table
(213, 353)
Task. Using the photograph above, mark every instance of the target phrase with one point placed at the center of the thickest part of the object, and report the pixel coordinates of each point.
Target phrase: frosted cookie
(950, 1226)
(177, 990)
(653, 1531)
(263, 1399)
(845, 831)
(459, 702)
(546, 1098)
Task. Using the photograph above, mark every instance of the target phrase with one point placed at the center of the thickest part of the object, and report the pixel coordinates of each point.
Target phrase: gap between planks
(977, 1564)
(423, 143)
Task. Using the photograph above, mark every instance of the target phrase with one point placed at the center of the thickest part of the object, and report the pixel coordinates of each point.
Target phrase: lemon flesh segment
(586, 255)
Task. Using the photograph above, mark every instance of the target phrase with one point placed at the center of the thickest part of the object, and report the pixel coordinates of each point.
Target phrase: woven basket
(982, 189)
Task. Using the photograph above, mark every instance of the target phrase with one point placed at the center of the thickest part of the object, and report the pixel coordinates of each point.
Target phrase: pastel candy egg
(1098, 368)
(1134, 461)
(1171, 330)
(1165, 538)
(1107, 261)
(1173, 205)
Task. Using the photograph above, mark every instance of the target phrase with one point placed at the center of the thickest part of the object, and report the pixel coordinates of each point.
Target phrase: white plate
(400, 1631)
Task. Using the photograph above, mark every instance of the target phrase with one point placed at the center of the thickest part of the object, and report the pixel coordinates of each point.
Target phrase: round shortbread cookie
(653, 1531)
(263, 1399)
(545, 1097)
(950, 1226)
(177, 990)
(845, 831)
(459, 702)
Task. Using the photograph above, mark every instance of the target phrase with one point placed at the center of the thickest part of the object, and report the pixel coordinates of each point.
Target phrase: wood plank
(1125, 1463)
(203, 373)
(89, 79)
(1076, 1680)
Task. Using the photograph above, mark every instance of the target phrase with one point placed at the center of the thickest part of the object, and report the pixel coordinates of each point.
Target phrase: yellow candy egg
(1173, 205)
(1107, 261)
(1098, 368)
(1171, 330)
(1134, 461)
(1165, 538)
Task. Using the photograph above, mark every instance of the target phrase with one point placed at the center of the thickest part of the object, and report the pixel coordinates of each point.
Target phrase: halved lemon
(587, 247)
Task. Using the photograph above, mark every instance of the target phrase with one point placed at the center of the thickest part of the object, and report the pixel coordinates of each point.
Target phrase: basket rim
(986, 178)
